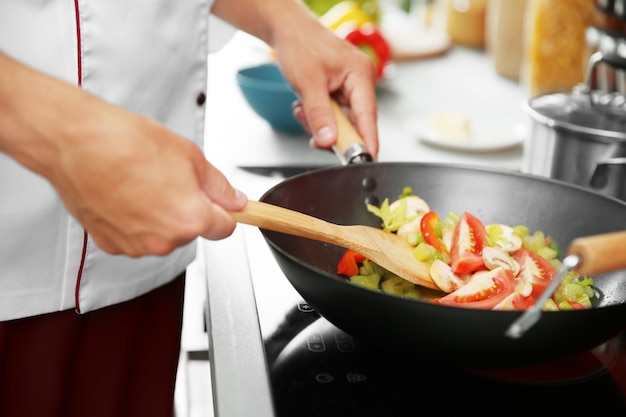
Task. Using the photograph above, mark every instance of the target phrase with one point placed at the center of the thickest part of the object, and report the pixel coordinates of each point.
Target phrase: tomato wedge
(468, 240)
(485, 290)
(349, 263)
(516, 302)
(535, 269)
(427, 227)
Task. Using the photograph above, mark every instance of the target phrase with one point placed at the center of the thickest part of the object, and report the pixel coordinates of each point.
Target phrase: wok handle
(350, 147)
(600, 253)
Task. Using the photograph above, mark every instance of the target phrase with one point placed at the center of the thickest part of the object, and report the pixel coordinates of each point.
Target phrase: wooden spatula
(384, 248)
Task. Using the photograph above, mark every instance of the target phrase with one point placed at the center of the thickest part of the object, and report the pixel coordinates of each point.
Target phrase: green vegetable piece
(412, 293)
(547, 253)
(556, 263)
(521, 231)
(585, 282)
(367, 281)
(370, 268)
(406, 192)
(400, 287)
(393, 285)
(414, 239)
(571, 292)
(534, 242)
(573, 288)
(392, 220)
(451, 219)
(554, 247)
(366, 268)
(424, 252)
(550, 305)
(494, 234)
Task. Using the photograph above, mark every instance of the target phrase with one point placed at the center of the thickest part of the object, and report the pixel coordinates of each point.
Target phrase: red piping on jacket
(79, 63)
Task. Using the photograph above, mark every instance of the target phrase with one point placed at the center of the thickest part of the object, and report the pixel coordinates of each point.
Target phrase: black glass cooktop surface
(315, 369)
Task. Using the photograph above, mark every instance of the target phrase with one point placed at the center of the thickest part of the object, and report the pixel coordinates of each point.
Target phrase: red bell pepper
(427, 227)
(349, 263)
(372, 43)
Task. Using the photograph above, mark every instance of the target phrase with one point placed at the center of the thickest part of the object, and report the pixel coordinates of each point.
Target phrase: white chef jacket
(148, 56)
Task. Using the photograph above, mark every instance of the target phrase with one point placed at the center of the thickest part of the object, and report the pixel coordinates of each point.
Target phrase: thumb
(221, 198)
(219, 190)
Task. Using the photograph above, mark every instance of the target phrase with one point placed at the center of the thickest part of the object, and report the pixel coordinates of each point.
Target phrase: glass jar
(465, 22)
(555, 47)
(504, 35)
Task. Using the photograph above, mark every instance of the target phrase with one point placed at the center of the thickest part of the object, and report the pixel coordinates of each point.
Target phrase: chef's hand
(319, 64)
(148, 191)
(135, 186)
(316, 62)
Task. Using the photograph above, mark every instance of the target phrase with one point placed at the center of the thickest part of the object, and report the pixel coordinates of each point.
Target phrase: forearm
(35, 112)
(263, 18)
(47, 124)
(112, 167)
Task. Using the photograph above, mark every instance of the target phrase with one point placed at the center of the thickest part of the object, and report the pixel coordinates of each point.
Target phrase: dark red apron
(114, 362)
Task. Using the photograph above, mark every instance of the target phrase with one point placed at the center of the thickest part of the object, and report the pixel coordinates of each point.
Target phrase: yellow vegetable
(344, 12)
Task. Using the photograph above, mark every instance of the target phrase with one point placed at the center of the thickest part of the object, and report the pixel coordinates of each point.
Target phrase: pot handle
(596, 58)
(350, 147)
(609, 177)
(607, 102)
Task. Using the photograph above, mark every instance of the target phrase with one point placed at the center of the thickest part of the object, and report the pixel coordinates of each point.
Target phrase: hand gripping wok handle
(600, 253)
(279, 219)
(350, 147)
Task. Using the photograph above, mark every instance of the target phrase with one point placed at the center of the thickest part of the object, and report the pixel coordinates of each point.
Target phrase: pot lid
(580, 112)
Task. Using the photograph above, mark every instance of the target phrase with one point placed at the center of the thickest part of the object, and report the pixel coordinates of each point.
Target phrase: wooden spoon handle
(600, 253)
(350, 144)
(279, 219)
(346, 133)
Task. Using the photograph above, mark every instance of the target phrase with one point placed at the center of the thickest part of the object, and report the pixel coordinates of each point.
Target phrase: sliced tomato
(514, 301)
(427, 227)
(529, 302)
(468, 240)
(485, 290)
(534, 269)
(349, 263)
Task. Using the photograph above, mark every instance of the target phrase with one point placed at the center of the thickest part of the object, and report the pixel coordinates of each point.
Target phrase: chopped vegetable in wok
(493, 266)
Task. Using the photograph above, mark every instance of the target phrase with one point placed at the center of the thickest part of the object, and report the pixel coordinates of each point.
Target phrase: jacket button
(201, 99)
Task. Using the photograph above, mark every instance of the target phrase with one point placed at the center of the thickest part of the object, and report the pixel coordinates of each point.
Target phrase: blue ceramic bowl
(270, 96)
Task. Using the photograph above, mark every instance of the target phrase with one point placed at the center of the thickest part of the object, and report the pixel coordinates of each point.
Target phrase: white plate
(488, 134)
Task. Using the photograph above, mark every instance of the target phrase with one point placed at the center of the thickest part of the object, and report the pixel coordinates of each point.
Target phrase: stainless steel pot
(579, 138)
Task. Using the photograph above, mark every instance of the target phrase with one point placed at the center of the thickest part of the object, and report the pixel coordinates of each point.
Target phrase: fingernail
(240, 197)
(324, 136)
(296, 106)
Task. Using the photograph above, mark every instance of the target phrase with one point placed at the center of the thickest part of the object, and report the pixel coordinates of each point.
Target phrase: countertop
(461, 81)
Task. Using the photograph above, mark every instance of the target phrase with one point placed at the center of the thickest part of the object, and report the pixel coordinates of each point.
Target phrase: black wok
(448, 335)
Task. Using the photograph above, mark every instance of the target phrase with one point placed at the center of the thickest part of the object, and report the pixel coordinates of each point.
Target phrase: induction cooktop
(316, 369)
